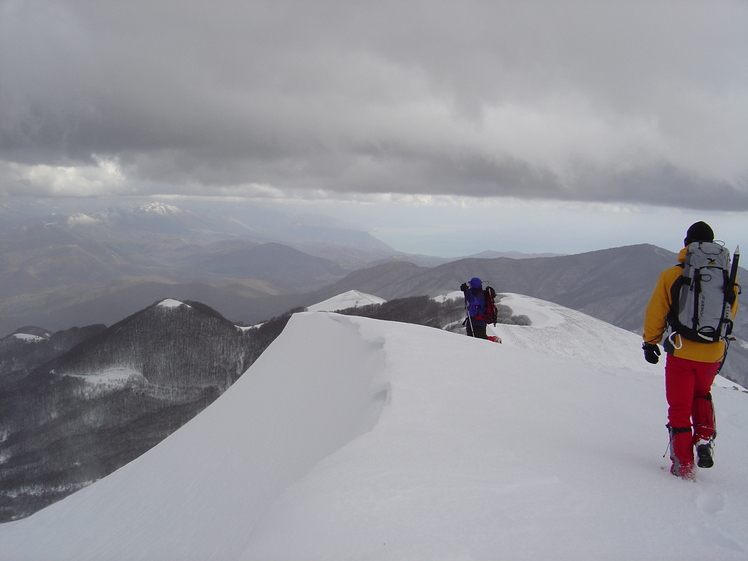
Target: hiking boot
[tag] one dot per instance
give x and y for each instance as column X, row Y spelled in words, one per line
column 704, row 453
column 681, row 452
column 704, row 425
column 684, row 471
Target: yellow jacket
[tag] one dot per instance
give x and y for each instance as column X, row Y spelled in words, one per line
column 655, row 321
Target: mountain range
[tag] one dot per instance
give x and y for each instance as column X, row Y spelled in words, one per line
column 98, row 267
column 354, row 438
column 64, row 270
column 613, row 285
column 65, row 395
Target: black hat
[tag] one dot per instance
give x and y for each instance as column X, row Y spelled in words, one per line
column 699, row 232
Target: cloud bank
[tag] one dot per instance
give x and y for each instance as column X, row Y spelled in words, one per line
column 643, row 102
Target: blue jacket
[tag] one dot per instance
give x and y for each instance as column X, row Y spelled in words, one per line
column 476, row 302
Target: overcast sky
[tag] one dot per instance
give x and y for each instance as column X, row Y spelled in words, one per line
column 556, row 119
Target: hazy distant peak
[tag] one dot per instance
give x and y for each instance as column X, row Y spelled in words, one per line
column 80, row 219
column 511, row 255
column 147, row 210
column 102, row 214
column 161, row 209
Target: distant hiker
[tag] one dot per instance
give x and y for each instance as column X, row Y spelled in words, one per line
column 694, row 352
column 480, row 307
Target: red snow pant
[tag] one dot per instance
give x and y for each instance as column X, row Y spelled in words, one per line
column 687, row 388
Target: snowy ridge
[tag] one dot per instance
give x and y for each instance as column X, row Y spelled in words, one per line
column 564, row 332
column 350, row 299
column 352, row 438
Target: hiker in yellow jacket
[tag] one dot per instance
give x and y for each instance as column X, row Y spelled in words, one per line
column 690, row 369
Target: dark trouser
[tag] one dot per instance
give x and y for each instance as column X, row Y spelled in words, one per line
column 478, row 331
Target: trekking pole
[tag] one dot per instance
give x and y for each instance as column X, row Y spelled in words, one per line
column 730, row 295
column 469, row 319
column 731, row 284
column 734, row 269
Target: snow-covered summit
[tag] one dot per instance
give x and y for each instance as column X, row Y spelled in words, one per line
column 350, row 299
column 30, row 333
column 113, row 215
column 158, row 208
column 171, row 303
column 352, row 438
column 28, row 337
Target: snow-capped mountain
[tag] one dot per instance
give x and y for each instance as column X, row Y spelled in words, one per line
column 80, row 219
column 161, row 209
column 350, row 299
column 353, row 438
column 118, row 216
column 155, row 218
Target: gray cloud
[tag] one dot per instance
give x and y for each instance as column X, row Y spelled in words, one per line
column 580, row 100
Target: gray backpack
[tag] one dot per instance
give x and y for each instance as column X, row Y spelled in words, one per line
column 702, row 296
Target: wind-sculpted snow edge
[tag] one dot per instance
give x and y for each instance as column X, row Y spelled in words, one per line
column 316, row 388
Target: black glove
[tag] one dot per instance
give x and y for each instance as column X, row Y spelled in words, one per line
column 651, row 353
column 464, row 286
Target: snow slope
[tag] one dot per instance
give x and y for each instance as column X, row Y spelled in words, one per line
column 352, row 438
column 560, row 331
column 350, row 299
